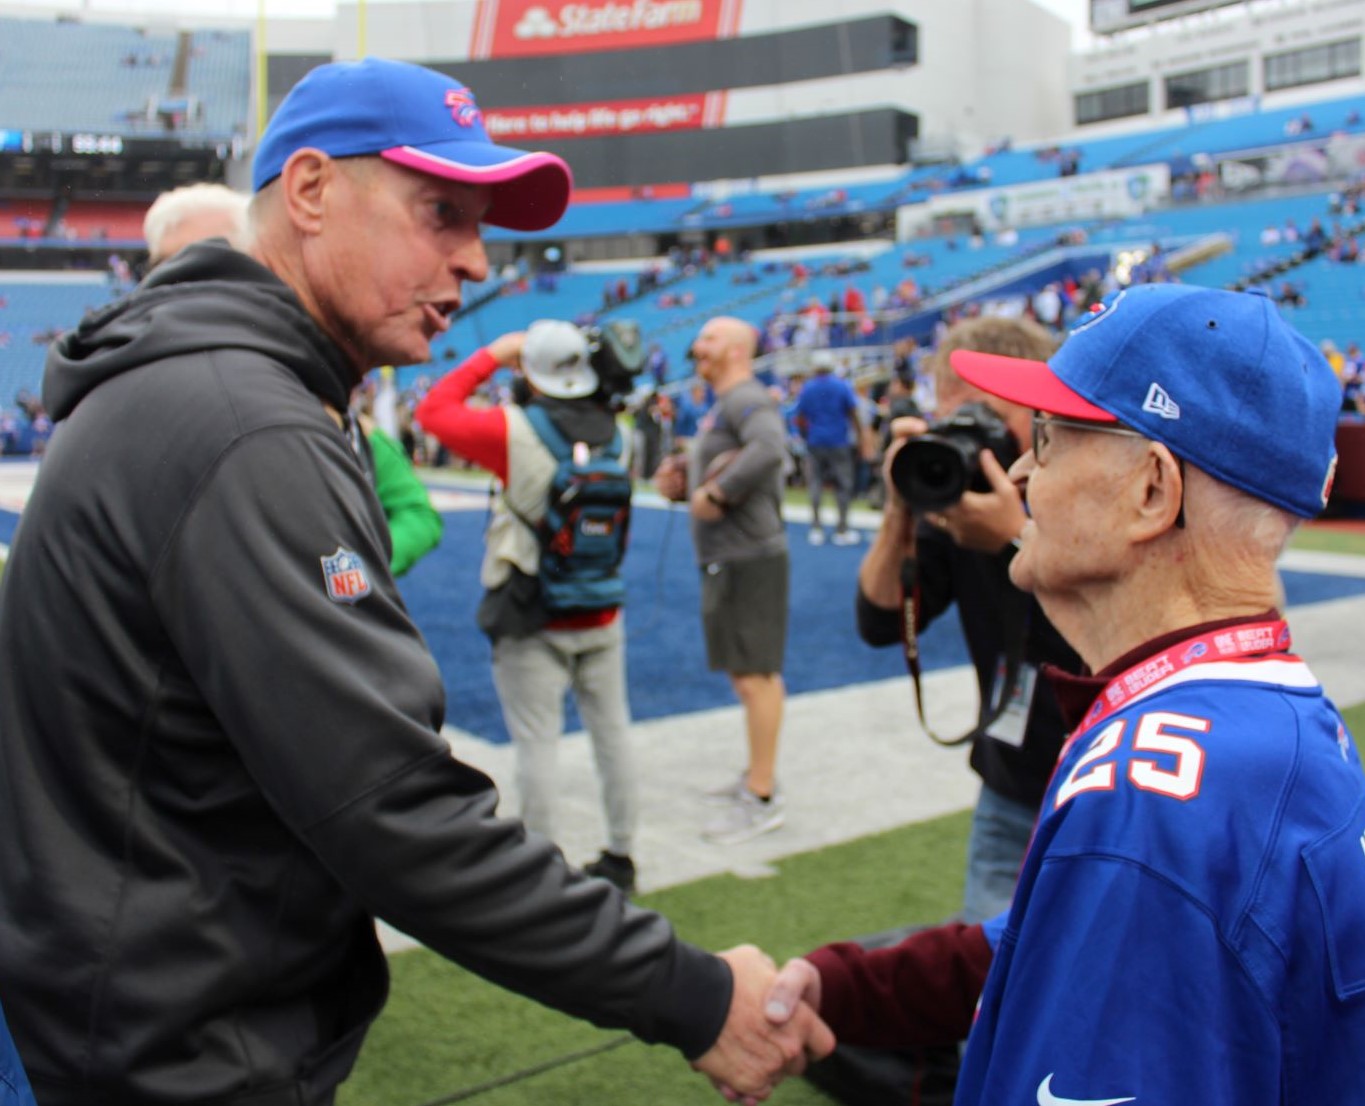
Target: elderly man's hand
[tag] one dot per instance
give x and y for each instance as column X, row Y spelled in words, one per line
column 797, row 982
column 753, row 1054
column 985, row 521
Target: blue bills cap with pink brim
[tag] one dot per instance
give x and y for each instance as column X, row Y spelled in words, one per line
column 417, row 118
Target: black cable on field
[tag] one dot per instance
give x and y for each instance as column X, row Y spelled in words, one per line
column 528, row 1073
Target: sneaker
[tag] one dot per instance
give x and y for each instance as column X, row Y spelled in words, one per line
column 747, row 817
column 728, row 793
column 615, row 869
column 847, row 537
column 815, row 536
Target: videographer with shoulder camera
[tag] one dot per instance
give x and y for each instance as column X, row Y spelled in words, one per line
column 551, row 568
column 947, row 536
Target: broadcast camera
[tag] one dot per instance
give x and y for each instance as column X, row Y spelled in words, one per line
column 617, row 354
column 932, row 471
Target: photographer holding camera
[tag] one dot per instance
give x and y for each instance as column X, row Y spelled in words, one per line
column 946, row 537
column 551, row 568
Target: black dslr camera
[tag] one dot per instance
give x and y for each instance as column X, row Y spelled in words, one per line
column 932, row 471
column 617, row 354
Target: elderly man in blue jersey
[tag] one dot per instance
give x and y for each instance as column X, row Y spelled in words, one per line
column 1189, row 925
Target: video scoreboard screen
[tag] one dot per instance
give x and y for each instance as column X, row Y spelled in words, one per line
column 1108, row 16
column 108, row 164
column 96, row 144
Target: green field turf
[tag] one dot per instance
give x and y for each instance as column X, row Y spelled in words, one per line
column 449, row 1037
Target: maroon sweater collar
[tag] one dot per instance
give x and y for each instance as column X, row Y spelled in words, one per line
column 1075, row 692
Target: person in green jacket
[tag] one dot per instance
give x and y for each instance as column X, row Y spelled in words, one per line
column 414, row 525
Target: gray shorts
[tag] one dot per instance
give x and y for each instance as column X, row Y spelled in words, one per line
column 744, row 614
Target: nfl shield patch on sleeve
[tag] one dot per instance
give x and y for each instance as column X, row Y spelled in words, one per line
column 347, row 580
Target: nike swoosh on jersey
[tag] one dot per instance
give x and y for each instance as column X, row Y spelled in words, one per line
column 1047, row 1098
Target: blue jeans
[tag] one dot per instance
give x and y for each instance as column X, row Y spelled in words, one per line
column 1000, row 834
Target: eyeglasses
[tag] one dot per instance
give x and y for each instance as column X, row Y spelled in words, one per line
column 1042, row 441
column 1042, row 432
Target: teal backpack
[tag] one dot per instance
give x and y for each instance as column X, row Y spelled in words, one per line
column 586, row 524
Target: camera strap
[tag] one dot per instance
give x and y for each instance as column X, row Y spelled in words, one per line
column 1014, row 611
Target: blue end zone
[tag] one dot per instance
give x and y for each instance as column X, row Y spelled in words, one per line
column 666, row 660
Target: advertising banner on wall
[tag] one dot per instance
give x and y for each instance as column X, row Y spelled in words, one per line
column 534, row 28
column 1113, row 193
column 690, row 111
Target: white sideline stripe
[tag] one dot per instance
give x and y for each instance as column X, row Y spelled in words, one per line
column 1326, row 564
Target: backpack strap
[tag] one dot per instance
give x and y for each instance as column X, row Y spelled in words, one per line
column 549, row 434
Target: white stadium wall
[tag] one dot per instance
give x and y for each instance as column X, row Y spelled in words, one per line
column 973, row 82
column 1226, row 35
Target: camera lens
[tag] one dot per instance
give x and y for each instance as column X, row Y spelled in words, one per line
column 930, row 473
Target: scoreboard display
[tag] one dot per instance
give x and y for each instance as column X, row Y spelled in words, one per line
column 96, row 144
column 1108, row 16
column 107, row 164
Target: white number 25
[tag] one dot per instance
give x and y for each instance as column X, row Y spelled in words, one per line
column 1178, row 777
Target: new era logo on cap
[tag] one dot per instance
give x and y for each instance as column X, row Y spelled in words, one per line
column 1159, row 403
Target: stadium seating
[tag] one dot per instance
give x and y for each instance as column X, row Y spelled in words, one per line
column 33, row 310
column 99, row 78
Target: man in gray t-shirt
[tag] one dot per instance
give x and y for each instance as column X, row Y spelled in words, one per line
column 735, row 499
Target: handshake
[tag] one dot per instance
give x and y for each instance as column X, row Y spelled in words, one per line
column 773, row 1029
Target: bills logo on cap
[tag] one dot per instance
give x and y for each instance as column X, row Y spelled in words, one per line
column 1194, row 652
column 1098, row 313
column 347, row 580
column 463, row 110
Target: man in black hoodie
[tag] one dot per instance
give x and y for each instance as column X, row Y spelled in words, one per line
column 219, row 728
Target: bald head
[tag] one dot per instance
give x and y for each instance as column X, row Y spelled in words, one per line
column 736, row 334
column 724, row 351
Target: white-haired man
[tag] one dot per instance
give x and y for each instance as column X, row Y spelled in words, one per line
column 193, row 213
column 1189, row 924
column 222, row 748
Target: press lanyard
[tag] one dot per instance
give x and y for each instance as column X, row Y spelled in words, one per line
column 1232, row 643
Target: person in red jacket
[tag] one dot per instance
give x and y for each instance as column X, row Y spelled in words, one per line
column 537, row 656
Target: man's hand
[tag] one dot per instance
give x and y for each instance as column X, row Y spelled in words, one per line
column 985, row 521
column 670, row 478
column 753, row 1053
column 506, row 351
column 703, row 504
column 797, row 982
column 902, row 430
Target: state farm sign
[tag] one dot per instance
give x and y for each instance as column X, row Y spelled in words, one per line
column 521, row 28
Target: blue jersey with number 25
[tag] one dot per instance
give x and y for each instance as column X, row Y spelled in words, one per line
column 1189, row 925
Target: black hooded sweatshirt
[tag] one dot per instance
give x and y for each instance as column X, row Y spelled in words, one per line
column 220, row 755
